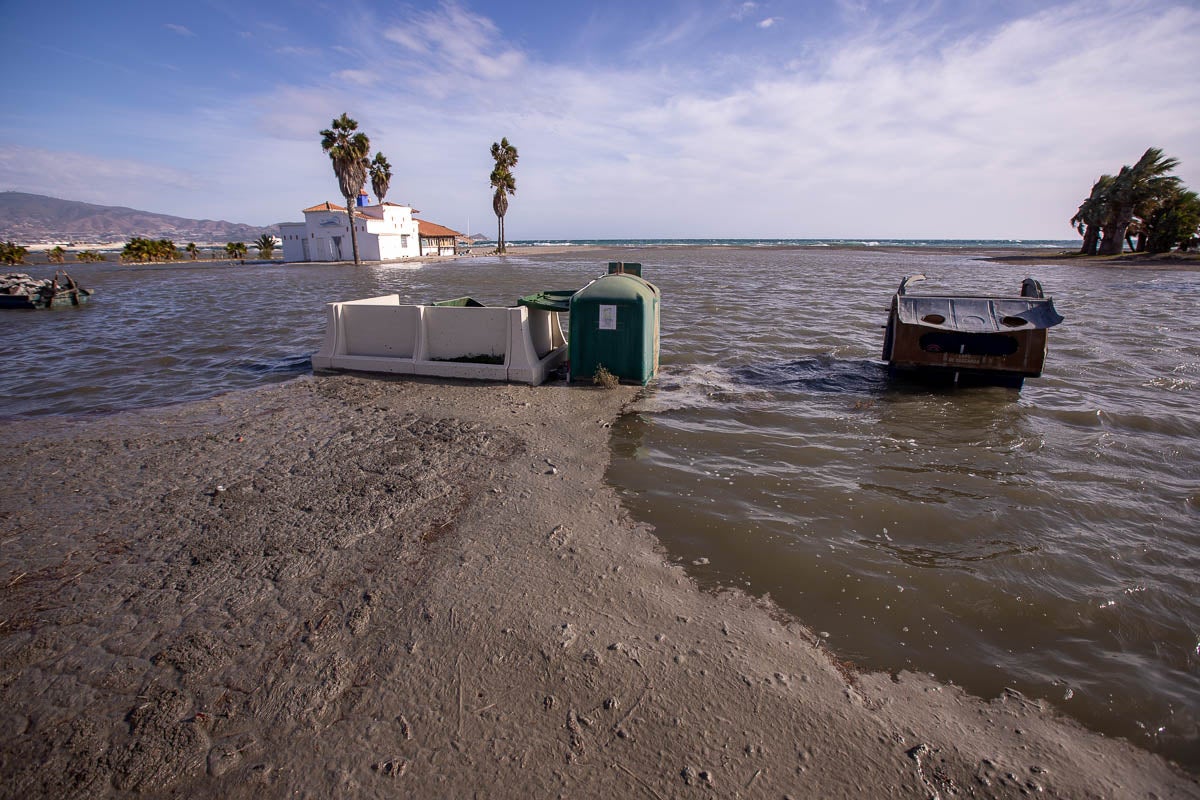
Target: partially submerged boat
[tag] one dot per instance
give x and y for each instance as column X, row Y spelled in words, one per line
column 18, row 290
column 962, row 338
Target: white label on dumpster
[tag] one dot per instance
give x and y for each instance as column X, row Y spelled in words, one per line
column 608, row 318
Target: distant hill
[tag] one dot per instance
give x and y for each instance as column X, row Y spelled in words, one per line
column 34, row 219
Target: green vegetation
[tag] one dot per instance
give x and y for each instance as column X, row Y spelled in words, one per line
column 236, row 250
column 13, row 253
column 1174, row 222
column 143, row 250
column 1143, row 201
column 192, row 250
column 265, row 245
column 381, row 176
column 502, row 180
column 88, row 256
column 56, row 254
column 348, row 151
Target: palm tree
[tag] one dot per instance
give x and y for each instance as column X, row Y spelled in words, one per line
column 1175, row 221
column 502, row 180
column 192, row 250
column 137, row 249
column 348, row 152
column 236, row 249
column 265, row 245
column 13, row 254
column 381, row 176
column 1090, row 214
column 1129, row 188
column 56, row 254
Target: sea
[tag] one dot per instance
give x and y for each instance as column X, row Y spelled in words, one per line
column 1044, row 540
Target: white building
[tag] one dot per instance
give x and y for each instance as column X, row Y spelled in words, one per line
column 386, row 231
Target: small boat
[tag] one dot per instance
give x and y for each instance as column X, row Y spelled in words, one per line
column 957, row 338
column 18, row 290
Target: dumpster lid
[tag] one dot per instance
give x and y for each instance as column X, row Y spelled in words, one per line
column 978, row 314
column 549, row 300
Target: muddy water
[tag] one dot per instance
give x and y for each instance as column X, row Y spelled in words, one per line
column 1044, row 540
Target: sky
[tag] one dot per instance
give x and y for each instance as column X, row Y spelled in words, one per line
column 632, row 118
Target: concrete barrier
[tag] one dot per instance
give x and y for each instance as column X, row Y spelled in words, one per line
column 379, row 334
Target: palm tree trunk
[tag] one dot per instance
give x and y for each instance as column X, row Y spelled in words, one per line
column 1091, row 240
column 1113, row 240
column 353, row 235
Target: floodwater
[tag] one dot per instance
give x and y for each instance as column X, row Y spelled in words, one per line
column 1046, row 540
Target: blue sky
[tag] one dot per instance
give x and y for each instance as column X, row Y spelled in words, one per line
column 855, row 118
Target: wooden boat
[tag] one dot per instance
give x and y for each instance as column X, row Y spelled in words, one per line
column 18, row 290
column 996, row 340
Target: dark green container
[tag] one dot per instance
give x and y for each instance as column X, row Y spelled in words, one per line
column 614, row 324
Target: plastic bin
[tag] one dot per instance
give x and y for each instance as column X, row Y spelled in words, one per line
column 614, row 324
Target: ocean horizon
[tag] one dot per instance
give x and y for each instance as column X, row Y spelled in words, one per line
column 1000, row 244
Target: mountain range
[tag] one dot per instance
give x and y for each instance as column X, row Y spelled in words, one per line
column 27, row 219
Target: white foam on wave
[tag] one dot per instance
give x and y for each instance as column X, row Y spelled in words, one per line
column 693, row 388
column 388, row 267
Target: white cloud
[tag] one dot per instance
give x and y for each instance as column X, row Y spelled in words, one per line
column 884, row 133
column 460, row 43
column 298, row 50
column 768, row 22
column 744, row 10
column 180, row 29
column 406, row 38
column 357, row 76
column 78, row 176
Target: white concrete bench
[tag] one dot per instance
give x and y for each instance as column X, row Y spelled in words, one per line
column 379, row 334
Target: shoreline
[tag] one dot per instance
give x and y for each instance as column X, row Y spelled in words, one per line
column 1171, row 262
column 370, row 586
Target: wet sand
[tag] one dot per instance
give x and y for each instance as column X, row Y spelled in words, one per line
column 362, row 587
column 1166, row 262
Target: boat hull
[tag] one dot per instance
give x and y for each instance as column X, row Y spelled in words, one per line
column 72, row 297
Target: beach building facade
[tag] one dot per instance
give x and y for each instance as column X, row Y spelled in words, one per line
column 437, row 240
column 386, row 232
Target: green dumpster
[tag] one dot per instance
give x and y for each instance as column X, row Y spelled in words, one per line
column 614, row 324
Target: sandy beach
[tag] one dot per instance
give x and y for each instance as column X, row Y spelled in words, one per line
column 349, row 586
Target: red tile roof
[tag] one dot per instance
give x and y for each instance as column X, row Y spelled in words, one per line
column 328, row 206
column 433, row 229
